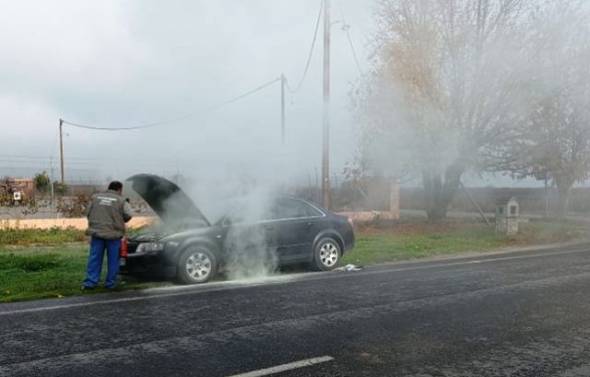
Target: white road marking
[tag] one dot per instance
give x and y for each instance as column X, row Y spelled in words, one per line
column 216, row 287
column 223, row 286
column 285, row 367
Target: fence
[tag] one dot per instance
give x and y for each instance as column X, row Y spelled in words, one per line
column 532, row 200
column 77, row 223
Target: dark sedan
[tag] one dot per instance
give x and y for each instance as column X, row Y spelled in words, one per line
column 192, row 249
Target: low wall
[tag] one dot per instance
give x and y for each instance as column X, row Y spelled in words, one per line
column 370, row 216
column 139, row 221
column 77, row 223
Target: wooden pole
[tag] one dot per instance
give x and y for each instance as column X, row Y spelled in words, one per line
column 326, row 197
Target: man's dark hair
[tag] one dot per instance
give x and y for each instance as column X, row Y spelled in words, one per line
column 115, row 186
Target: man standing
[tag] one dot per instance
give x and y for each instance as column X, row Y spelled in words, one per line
column 107, row 214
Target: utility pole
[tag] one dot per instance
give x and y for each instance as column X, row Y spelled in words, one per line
column 326, row 197
column 61, row 150
column 283, row 84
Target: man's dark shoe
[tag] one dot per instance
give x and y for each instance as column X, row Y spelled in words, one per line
column 117, row 287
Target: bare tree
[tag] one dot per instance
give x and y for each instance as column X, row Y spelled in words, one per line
column 446, row 87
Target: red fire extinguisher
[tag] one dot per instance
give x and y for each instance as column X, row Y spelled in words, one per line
column 124, row 248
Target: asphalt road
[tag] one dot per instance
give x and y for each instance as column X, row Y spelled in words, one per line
column 518, row 314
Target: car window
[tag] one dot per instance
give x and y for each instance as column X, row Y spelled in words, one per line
column 309, row 210
column 245, row 212
column 291, row 209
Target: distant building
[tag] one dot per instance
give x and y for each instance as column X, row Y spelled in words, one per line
column 19, row 187
column 25, row 185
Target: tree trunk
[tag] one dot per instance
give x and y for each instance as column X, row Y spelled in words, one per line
column 440, row 190
column 564, row 187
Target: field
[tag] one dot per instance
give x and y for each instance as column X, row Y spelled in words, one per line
column 420, row 240
column 38, row 264
column 34, row 272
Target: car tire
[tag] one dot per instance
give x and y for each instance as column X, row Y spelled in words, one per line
column 326, row 254
column 196, row 265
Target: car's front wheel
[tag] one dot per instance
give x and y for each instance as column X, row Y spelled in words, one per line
column 197, row 264
column 327, row 254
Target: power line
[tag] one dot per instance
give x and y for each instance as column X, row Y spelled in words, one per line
column 235, row 99
column 38, row 167
column 3, row 156
column 143, row 126
column 53, row 149
column 173, row 120
column 310, row 55
column 346, row 29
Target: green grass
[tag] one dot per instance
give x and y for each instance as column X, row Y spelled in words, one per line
column 37, row 264
column 53, row 236
column 28, row 273
column 393, row 245
column 380, row 248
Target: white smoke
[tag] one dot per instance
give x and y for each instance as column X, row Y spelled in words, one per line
column 251, row 252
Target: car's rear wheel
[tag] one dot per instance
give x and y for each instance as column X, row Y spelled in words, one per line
column 327, row 254
column 197, row 264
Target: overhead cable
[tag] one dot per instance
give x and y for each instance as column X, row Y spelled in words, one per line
column 346, row 28
column 311, row 49
column 172, row 120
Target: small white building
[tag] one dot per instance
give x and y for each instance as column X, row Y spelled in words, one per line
column 507, row 216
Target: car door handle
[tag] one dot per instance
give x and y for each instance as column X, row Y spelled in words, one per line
column 269, row 227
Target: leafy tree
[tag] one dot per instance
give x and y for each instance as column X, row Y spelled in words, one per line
column 553, row 141
column 42, row 182
column 60, row 188
column 444, row 89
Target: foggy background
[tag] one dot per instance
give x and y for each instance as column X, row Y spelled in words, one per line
column 119, row 64
column 113, row 64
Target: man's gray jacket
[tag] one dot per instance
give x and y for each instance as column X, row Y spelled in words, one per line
column 107, row 214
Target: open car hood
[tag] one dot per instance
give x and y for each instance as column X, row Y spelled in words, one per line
column 168, row 200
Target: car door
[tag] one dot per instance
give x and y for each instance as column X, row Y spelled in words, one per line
column 294, row 226
column 248, row 235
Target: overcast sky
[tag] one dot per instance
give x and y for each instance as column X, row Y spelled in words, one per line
column 125, row 63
